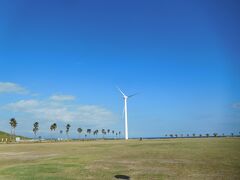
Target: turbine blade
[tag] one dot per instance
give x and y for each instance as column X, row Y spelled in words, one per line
column 133, row 95
column 121, row 91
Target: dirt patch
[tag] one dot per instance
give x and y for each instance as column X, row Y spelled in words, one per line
column 12, row 153
column 24, row 155
column 135, row 167
column 174, row 161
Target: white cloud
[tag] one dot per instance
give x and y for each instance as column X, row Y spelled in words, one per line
column 23, row 105
column 62, row 98
column 59, row 111
column 8, row 87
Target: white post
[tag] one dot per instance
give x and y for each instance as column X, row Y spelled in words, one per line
column 126, row 118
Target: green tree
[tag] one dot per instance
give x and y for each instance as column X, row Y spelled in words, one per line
column 67, row 130
column 108, row 131
column 89, row 132
column 35, row 129
column 103, row 132
column 53, row 127
column 61, row 131
column 95, row 132
column 113, row 132
column 13, row 123
column 79, row 130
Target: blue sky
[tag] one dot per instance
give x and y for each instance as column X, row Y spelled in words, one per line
column 61, row 60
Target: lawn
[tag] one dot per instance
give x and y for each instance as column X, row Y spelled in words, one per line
column 196, row 158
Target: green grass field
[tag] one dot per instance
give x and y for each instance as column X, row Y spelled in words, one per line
column 197, row 158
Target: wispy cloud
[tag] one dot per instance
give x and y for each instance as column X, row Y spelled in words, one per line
column 58, row 108
column 59, row 111
column 9, row 87
column 62, row 98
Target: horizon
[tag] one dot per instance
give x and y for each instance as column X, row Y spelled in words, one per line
column 61, row 62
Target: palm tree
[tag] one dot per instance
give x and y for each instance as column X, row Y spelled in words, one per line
column 207, row 135
column 61, row 131
column 176, row 135
column 113, row 132
column 215, row 134
column 67, row 129
column 13, row 124
column 200, row 135
column 89, row 132
column 232, row 134
column 103, row 132
column 79, row 130
column 193, row 134
column 96, row 132
column 53, row 127
column 171, row 135
column 119, row 133
column 35, row 129
column 108, row 131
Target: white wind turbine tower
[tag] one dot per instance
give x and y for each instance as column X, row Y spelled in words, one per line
column 125, row 111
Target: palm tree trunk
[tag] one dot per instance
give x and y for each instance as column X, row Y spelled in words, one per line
column 14, row 137
column 11, row 133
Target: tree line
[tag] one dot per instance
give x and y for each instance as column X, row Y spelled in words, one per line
column 105, row 132
column 200, row 135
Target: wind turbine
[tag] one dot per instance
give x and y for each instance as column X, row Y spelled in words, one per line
column 125, row 97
